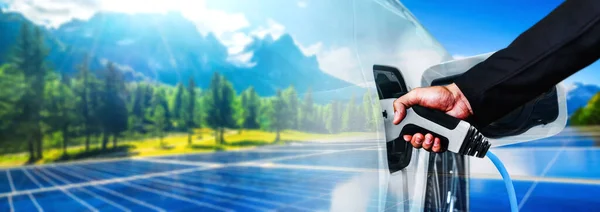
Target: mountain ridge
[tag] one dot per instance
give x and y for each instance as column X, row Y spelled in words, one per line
column 168, row 48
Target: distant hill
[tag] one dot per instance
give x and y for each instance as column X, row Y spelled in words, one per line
column 579, row 95
column 168, row 48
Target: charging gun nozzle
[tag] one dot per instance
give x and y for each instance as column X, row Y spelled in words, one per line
column 475, row 144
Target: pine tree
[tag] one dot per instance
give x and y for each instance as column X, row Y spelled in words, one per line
column 226, row 107
column 84, row 103
column 29, row 56
column 13, row 87
column 177, row 102
column 212, row 104
column 264, row 114
column 114, row 109
column 138, row 109
column 190, row 108
column 95, row 106
column 349, row 116
column 291, row 99
column 279, row 116
column 60, row 108
column 335, row 119
column 220, row 106
column 368, row 110
column 250, row 106
column 160, row 115
column 307, row 118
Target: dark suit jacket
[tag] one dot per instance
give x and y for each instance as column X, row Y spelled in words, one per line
column 562, row 43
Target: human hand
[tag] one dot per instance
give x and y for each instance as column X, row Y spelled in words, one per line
column 447, row 98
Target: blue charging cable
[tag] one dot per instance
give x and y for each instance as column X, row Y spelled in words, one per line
column 514, row 207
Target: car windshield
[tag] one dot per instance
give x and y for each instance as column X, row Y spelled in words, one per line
column 204, row 105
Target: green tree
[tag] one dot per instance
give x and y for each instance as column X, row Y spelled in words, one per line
column 84, row 107
column 250, row 107
column 95, row 107
column 178, row 102
column 360, row 119
column 349, row 116
column 114, row 109
column 212, row 104
column 307, row 117
column 292, row 107
column 322, row 120
column 161, row 116
column 264, row 114
column 12, row 87
column 368, row 110
column 220, row 109
column 279, row 118
column 61, row 109
column 29, row 55
column 226, row 107
column 138, row 110
column 191, row 107
column 335, row 118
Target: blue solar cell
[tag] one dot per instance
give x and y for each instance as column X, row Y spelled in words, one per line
column 4, row 182
column 4, row 204
column 21, row 180
column 58, row 201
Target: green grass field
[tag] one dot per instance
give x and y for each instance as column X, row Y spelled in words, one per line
column 203, row 141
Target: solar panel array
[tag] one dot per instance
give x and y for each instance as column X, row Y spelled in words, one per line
column 294, row 177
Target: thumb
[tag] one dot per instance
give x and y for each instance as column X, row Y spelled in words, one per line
column 402, row 104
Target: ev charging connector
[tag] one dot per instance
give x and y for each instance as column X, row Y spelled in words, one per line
column 456, row 135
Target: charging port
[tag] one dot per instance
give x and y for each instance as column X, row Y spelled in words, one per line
column 390, row 85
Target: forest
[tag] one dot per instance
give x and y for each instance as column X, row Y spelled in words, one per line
column 44, row 108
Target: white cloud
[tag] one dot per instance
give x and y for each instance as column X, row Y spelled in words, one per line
column 216, row 21
column 235, row 42
column 302, row 4
column 311, row 49
column 53, row 13
column 242, row 59
column 273, row 28
column 340, row 62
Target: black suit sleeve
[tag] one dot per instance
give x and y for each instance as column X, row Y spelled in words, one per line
column 562, row 43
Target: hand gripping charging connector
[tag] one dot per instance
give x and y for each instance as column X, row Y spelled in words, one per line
column 455, row 135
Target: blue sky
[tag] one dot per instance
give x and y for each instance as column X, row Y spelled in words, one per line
column 468, row 27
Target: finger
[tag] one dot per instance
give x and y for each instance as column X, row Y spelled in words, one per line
column 428, row 142
column 399, row 111
column 417, row 140
column 404, row 102
column 407, row 138
column 437, row 147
